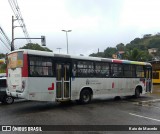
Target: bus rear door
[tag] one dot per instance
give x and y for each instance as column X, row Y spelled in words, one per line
column 63, row 89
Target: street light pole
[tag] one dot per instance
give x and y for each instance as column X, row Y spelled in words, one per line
column 12, row 44
column 59, row 49
column 67, row 37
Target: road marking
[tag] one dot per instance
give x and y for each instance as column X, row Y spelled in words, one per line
column 142, row 102
column 155, row 100
column 150, row 106
column 144, row 117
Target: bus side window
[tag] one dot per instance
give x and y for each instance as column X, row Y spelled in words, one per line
column 41, row 66
column 140, row 71
column 74, row 70
column 116, row 70
column 35, row 73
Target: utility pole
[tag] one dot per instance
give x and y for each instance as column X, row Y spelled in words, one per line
column 12, row 44
column 43, row 40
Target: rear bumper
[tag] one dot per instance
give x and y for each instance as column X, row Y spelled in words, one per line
column 13, row 94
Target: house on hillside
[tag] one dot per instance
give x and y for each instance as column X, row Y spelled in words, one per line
column 153, row 53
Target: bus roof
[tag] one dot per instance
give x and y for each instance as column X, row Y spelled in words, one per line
column 51, row 54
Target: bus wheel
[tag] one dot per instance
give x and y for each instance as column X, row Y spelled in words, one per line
column 8, row 100
column 137, row 92
column 85, row 96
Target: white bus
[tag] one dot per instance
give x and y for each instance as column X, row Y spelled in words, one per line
column 45, row 76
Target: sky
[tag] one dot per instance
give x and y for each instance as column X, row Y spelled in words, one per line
column 95, row 24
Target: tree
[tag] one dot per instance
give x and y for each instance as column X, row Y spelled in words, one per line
column 120, row 47
column 109, row 52
column 2, row 55
column 35, row 47
column 136, row 41
column 137, row 55
column 147, row 35
column 99, row 54
column 2, row 65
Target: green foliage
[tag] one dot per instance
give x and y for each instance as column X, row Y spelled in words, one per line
column 35, row 47
column 99, row 54
column 109, row 51
column 120, row 47
column 3, row 68
column 2, row 55
column 137, row 55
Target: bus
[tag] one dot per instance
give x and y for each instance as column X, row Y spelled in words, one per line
column 156, row 71
column 46, row 76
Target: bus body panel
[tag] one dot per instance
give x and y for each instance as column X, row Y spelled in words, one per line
column 106, row 87
column 38, row 89
column 101, row 87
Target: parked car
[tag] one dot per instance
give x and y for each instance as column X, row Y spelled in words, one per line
column 4, row 98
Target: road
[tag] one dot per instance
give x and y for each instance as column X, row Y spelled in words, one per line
column 126, row 111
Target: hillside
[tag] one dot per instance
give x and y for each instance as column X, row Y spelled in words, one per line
column 137, row 49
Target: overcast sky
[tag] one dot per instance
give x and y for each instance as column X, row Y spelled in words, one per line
column 94, row 23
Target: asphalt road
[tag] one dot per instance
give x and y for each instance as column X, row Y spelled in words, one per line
column 126, row 111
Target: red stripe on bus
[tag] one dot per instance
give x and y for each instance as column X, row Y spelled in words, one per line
column 117, row 61
column 52, row 87
column 25, row 66
column 112, row 84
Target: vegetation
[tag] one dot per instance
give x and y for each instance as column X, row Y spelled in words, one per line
column 136, row 50
column 2, row 65
column 35, row 47
column 3, row 68
column 2, row 56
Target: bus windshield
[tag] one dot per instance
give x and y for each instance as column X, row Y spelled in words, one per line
column 15, row 60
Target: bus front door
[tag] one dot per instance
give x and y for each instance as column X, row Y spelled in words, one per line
column 148, row 79
column 63, row 81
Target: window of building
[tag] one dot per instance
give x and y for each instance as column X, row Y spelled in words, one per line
column 155, row 75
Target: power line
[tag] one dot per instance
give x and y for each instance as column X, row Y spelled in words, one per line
column 4, row 44
column 5, row 36
column 16, row 10
column 4, row 39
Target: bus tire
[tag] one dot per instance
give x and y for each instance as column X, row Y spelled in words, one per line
column 137, row 92
column 8, row 100
column 85, row 96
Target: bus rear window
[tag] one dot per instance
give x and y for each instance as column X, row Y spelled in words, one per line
column 15, row 60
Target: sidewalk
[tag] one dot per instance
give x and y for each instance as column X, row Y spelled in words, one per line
column 156, row 89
